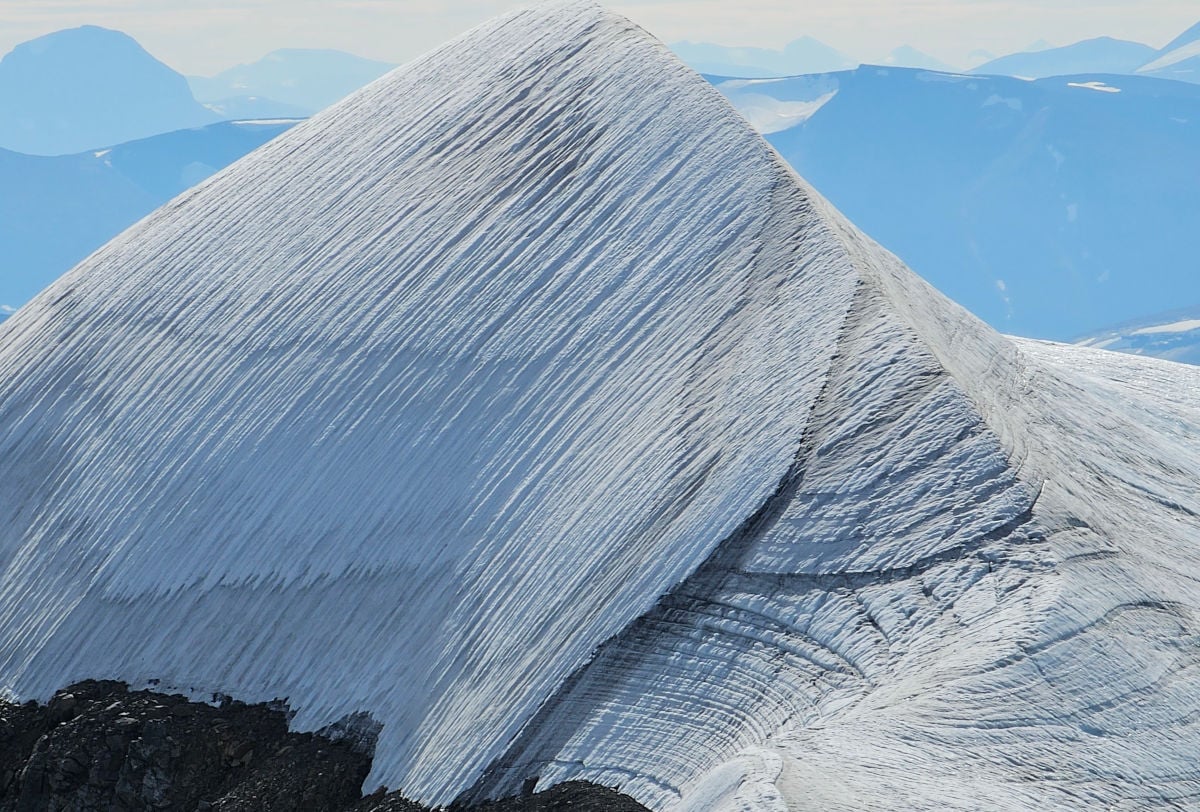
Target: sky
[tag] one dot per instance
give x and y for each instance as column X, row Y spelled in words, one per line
column 206, row 36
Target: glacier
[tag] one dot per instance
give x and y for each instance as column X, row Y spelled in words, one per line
column 528, row 401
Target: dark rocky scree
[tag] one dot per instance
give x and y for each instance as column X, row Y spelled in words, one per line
column 100, row 746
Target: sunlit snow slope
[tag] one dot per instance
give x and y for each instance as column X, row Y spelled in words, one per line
column 529, row 402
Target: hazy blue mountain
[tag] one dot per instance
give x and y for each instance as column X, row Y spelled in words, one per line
column 1048, row 208
column 87, row 87
column 54, row 211
column 803, row 55
column 1174, row 335
column 306, row 79
column 1099, row 55
column 1179, row 59
column 907, row 56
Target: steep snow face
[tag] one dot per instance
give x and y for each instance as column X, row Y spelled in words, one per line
column 416, row 407
column 529, row 402
column 978, row 570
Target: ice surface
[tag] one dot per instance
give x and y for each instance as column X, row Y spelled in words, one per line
column 528, row 401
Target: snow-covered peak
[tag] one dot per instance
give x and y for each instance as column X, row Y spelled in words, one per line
column 516, row 333
column 527, row 401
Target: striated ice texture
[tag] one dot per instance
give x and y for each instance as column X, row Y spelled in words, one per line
column 528, row 401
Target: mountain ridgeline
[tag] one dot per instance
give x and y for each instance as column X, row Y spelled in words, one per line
column 1178, row 60
column 1077, row 166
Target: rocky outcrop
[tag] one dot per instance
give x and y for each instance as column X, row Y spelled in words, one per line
column 99, row 746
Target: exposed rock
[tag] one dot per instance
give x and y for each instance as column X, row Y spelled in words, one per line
column 99, row 746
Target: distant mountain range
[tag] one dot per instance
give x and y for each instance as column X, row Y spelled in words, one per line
column 1100, row 55
column 54, row 211
column 1174, row 335
column 89, row 87
column 1179, row 59
column 908, row 57
column 803, row 55
column 1045, row 207
column 305, row 80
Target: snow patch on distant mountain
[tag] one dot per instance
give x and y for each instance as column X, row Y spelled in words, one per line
column 1192, row 49
column 1185, row 326
column 1095, row 85
column 1174, row 336
column 1179, row 59
column 1181, row 64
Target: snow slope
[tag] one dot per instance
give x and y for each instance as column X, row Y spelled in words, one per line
column 528, row 401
